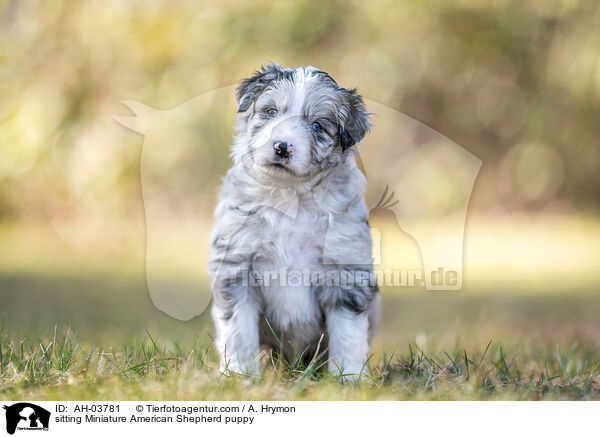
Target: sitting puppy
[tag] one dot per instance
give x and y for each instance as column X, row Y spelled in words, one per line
column 293, row 202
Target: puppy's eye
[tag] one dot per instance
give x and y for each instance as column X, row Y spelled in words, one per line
column 272, row 112
column 316, row 127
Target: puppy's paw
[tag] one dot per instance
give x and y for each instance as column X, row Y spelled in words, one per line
column 349, row 373
column 235, row 367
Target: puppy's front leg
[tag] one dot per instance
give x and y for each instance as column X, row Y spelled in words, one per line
column 348, row 342
column 237, row 334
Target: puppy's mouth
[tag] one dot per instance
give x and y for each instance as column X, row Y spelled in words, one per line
column 281, row 168
column 280, row 164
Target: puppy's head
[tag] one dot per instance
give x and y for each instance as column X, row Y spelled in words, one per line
column 297, row 122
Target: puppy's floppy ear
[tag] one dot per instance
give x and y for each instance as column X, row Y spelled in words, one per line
column 249, row 89
column 357, row 124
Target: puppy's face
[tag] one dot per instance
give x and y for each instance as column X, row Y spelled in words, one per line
column 297, row 122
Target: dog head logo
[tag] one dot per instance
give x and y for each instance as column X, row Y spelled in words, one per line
column 418, row 188
column 26, row 416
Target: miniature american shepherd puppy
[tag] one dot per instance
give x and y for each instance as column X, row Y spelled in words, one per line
column 290, row 258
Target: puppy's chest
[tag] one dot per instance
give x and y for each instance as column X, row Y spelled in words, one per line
column 293, row 243
column 291, row 248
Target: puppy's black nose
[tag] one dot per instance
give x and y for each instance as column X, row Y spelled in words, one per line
column 283, row 149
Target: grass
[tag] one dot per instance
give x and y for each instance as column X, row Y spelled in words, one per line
column 62, row 367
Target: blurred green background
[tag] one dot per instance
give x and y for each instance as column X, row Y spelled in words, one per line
column 515, row 83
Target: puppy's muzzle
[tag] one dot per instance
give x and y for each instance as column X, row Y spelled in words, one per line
column 283, row 149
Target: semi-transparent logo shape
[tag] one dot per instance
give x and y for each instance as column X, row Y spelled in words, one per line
column 418, row 188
